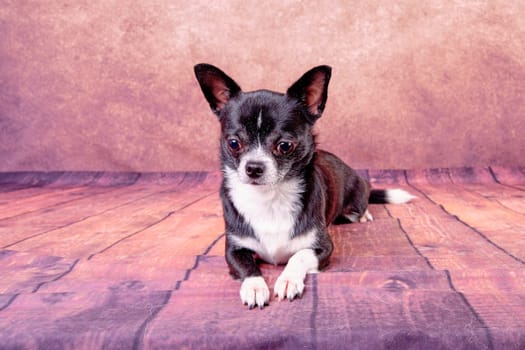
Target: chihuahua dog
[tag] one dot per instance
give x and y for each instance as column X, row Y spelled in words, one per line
column 279, row 192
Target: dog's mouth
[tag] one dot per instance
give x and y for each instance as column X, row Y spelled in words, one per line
column 257, row 182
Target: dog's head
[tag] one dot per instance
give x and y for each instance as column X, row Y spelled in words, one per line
column 266, row 136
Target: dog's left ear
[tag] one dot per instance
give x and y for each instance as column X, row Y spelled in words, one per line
column 312, row 90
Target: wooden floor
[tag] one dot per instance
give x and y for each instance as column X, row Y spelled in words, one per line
column 131, row 261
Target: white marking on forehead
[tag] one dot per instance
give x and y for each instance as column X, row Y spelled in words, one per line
column 259, row 120
column 258, row 154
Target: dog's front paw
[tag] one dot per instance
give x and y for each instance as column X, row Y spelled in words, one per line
column 289, row 286
column 254, row 291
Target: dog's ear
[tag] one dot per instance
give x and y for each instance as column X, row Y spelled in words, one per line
column 312, row 90
column 218, row 88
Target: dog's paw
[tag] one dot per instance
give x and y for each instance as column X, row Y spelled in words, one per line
column 366, row 217
column 354, row 217
column 289, row 286
column 255, row 292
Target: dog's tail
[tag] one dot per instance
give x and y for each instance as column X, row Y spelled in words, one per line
column 393, row 196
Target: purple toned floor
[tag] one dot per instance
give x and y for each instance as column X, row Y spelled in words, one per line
column 132, row 261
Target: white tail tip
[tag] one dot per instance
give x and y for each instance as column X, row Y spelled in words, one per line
column 398, row 196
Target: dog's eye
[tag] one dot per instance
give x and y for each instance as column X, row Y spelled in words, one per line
column 285, row 147
column 234, row 145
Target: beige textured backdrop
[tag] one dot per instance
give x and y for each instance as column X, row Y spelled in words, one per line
column 108, row 85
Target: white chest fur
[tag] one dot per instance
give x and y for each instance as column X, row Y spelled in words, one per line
column 271, row 211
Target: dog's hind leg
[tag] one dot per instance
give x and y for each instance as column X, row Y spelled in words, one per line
column 355, row 208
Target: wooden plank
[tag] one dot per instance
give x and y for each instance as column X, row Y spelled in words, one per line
column 469, row 175
column 29, row 178
column 218, row 247
column 34, row 224
column 446, row 242
column 29, row 187
column 382, row 237
column 188, row 231
column 484, row 182
column 487, row 216
column 391, row 280
column 506, row 197
column 386, row 178
column 156, row 257
column 376, row 263
column 514, row 176
column 347, row 307
column 503, row 315
column 25, row 272
column 22, row 184
column 73, row 186
column 27, row 193
column 146, row 269
column 94, row 233
column 497, row 295
column 427, row 305
column 429, row 176
column 450, row 244
column 465, row 175
column 496, row 280
column 34, row 184
column 147, row 273
column 43, row 198
column 94, row 319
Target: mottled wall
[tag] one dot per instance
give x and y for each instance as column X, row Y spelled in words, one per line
column 108, row 85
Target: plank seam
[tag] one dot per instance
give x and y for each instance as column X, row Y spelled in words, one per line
column 86, row 217
column 110, row 189
column 495, row 177
column 494, row 200
column 313, row 315
column 150, row 225
column 9, row 302
column 56, row 278
column 472, row 310
column 449, row 278
column 57, row 204
column 489, row 198
column 138, row 342
column 408, row 239
column 479, row 233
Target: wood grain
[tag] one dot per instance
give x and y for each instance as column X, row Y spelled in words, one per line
column 126, row 260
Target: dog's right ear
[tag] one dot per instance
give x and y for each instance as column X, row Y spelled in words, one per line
column 218, row 88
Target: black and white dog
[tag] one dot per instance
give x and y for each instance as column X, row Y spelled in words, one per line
column 279, row 193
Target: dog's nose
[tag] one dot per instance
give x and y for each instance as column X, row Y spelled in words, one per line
column 254, row 169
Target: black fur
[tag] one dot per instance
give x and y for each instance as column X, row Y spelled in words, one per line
column 332, row 190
